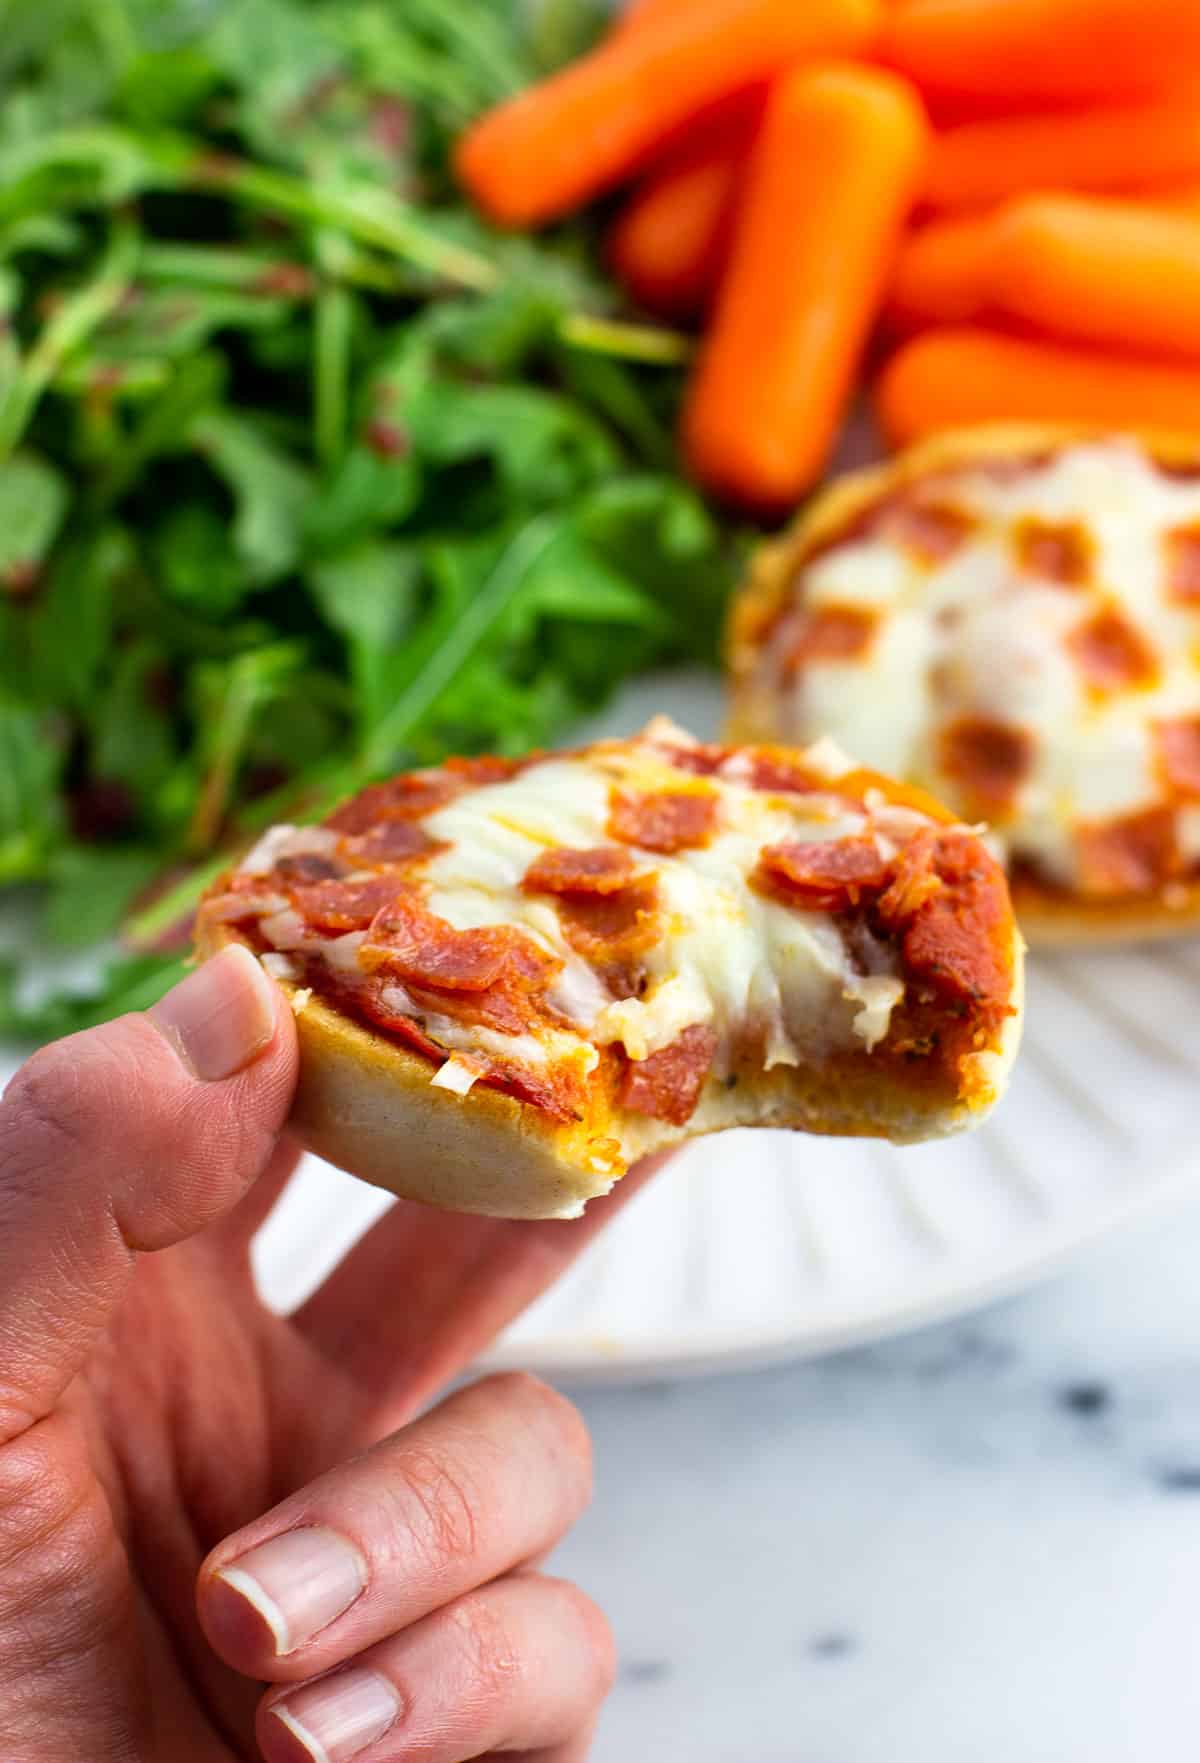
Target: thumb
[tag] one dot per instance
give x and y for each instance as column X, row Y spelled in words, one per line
column 130, row 1137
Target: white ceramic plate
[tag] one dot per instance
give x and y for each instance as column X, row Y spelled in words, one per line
column 755, row 1247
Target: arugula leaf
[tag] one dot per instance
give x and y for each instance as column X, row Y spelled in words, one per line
column 52, row 645
column 31, row 757
column 230, row 696
column 33, row 501
column 368, row 491
column 542, row 447
column 197, row 562
column 132, row 743
column 270, row 490
column 90, row 889
column 369, row 594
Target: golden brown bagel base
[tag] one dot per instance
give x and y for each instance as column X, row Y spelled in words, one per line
column 1049, row 918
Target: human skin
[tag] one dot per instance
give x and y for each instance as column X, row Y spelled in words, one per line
column 199, row 1498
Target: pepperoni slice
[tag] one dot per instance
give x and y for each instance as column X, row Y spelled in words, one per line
column 505, row 1007
column 945, row 948
column 824, row 876
column 307, row 868
column 1183, row 564
column 400, row 798
column 604, row 869
column 392, row 841
column 1112, row 654
column 951, row 940
column 832, row 633
column 1133, row 855
column 552, row 1089
column 989, row 761
column 700, row 760
column 609, row 928
column 915, row 880
column 667, row 1085
column 867, row 523
column 487, row 768
column 932, row 531
column 663, row 820
column 1179, row 747
column 1055, row 552
column 372, row 1002
column 556, row 1090
column 776, row 774
column 416, row 945
column 339, row 906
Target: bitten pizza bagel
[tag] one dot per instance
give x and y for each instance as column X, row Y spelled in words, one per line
column 514, row 977
column 1009, row 618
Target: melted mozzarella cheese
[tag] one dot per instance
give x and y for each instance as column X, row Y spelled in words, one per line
column 978, row 635
column 728, row 957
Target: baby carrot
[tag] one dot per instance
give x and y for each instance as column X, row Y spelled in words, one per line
column 555, row 146
column 829, row 182
column 943, row 271
column 1110, row 148
column 956, row 377
column 670, row 244
column 1036, row 49
column 1101, row 272
column 1083, row 268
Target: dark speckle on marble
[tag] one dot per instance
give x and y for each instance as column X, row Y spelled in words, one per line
column 645, row 1670
column 834, row 1645
column 1085, row 1399
column 1179, row 1478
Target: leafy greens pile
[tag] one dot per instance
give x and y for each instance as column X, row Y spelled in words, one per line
column 304, row 473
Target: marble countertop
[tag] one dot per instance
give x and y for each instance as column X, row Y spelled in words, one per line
column 979, row 1544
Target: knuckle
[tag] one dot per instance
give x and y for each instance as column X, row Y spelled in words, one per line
column 442, row 1507
column 492, row 1661
column 41, row 1117
column 59, row 1551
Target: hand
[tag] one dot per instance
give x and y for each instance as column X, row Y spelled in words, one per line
column 197, row 1496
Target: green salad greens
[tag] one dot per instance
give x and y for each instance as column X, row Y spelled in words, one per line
column 305, row 474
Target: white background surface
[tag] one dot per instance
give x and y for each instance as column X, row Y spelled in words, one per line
column 919, row 1552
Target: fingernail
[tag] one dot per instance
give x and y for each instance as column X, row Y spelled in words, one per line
column 221, row 1017
column 337, row 1718
column 298, row 1582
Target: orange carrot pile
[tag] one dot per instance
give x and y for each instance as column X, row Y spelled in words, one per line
column 839, row 158
column 1037, row 255
column 553, row 148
